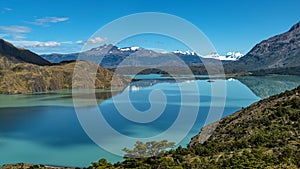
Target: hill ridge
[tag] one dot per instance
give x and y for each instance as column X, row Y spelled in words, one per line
column 18, row 55
column 278, row 52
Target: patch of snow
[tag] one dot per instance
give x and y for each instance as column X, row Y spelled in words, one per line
column 188, row 52
column 133, row 48
column 231, row 79
column 134, row 88
column 230, row 56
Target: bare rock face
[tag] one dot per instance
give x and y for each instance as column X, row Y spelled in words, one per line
column 204, row 134
column 281, row 51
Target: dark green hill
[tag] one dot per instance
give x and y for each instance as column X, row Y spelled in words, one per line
column 266, row 134
column 18, row 55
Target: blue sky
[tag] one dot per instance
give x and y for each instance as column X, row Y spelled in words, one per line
column 64, row 26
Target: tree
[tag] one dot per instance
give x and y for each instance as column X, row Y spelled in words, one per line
column 148, row 149
column 102, row 164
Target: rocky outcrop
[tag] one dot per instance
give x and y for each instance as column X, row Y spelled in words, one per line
column 260, row 119
column 280, row 51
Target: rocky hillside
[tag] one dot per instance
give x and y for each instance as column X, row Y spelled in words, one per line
column 24, row 74
column 266, row 134
column 276, row 53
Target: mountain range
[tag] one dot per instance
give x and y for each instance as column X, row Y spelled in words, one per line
column 263, row 135
column 112, row 56
column 277, row 55
column 23, row 71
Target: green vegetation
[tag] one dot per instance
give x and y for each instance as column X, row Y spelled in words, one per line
column 148, row 149
column 264, row 135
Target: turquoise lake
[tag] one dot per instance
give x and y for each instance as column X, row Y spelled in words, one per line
column 43, row 128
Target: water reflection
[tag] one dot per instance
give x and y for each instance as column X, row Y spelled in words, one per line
column 43, row 127
column 265, row 86
column 261, row 86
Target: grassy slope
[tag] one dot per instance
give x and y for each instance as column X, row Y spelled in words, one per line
column 266, row 134
column 27, row 78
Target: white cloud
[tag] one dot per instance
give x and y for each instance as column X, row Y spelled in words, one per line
column 79, row 42
column 15, row 30
column 35, row 44
column 7, row 9
column 46, row 20
column 95, row 40
column 4, row 10
column 48, row 44
column 2, row 35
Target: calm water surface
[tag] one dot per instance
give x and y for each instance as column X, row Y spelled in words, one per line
column 44, row 129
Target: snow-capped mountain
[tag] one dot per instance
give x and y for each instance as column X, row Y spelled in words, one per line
column 133, row 48
column 188, row 52
column 112, row 56
column 234, row 55
column 230, row 56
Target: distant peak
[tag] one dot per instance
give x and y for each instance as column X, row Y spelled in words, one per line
column 296, row 26
column 230, row 56
column 105, row 46
column 4, row 42
column 133, row 48
column 9, row 51
column 188, row 52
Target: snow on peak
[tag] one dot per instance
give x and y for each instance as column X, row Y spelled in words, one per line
column 234, row 55
column 230, row 56
column 188, row 52
column 133, row 48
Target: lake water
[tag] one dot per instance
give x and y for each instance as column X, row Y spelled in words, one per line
column 44, row 129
